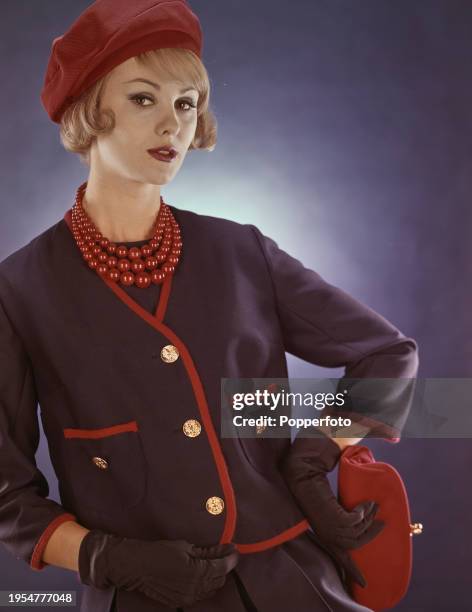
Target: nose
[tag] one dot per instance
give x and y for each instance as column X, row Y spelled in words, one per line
column 168, row 121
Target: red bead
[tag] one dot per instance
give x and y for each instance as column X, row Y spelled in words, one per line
column 151, row 263
column 123, row 265
column 173, row 260
column 114, row 275
column 157, row 276
column 121, row 251
column 102, row 269
column 137, row 265
column 127, row 278
column 104, row 242
column 134, row 253
column 102, row 257
column 111, row 248
column 112, row 262
column 160, row 256
column 93, row 263
column 168, row 269
column 142, row 280
column 96, row 250
column 146, row 250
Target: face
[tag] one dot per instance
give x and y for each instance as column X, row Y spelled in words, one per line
column 146, row 117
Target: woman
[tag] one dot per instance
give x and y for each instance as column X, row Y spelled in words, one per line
column 122, row 319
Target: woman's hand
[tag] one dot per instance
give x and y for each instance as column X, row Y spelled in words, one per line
column 172, row 572
column 305, row 470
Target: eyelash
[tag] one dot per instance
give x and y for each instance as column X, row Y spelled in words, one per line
column 138, row 96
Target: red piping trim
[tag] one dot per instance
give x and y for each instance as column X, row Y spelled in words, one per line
column 225, row 480
column 36, row 562
column 280, row 538
column 100, row 433
column 199, row 393
column 163, row 298
column 229, row 497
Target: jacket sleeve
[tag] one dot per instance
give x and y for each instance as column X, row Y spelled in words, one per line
column 325, row 326
column 27, row 517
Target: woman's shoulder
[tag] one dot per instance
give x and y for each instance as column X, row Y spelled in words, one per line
column 221, row 227
column 23, row 260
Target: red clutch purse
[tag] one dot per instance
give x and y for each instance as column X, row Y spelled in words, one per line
column 385, row 561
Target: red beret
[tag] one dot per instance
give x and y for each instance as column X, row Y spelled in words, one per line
column 106, row 34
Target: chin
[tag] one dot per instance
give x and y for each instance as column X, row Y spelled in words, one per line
column 154, row 180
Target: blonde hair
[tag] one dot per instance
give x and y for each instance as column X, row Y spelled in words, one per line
column 83, row 120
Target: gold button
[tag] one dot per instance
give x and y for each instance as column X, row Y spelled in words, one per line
column 215, row 505
column 192, row 428
column 260, row 429
column 100, row 462
column 169, row 353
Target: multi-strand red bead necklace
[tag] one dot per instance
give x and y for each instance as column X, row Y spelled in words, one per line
column 150, row 263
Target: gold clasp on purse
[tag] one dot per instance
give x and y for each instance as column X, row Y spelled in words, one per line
column 416, row 528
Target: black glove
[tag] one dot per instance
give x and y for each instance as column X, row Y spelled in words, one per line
column 172, row 572
column 305, row 471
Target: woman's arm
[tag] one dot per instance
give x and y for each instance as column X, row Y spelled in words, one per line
column 323, row 325
column 63, row 546
column 28, row 518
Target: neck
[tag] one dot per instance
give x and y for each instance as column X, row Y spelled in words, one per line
column 122, row 210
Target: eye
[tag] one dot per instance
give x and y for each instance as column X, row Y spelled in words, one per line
column 141, row 97
column 189, row 103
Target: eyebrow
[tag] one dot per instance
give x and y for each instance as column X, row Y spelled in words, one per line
column 156, row 85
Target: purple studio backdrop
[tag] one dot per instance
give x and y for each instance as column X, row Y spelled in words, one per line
column 345, row 132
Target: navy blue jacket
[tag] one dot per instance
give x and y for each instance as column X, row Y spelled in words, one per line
column 120, row 416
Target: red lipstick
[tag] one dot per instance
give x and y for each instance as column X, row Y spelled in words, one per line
column 165, row 154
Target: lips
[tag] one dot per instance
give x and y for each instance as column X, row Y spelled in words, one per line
column 165, row 154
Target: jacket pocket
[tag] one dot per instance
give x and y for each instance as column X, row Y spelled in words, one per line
column 105, row 468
